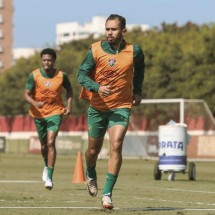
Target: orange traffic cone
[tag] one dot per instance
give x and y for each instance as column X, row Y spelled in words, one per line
column 78, row 176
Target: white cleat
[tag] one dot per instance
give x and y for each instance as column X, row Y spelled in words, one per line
column 92, row 186
column 106, row 202
column 48, row 184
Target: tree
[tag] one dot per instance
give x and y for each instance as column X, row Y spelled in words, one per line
column 180, row 63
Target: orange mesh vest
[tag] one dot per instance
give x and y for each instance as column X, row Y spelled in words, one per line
column 49, row 91
column 115, row 70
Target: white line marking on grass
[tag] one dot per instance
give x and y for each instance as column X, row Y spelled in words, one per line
column 50, row 207
column 194, row 191
column 200, row 209
column 176, row 201
column 183, row 190
column 18, row 181
column 124, row 209
column 167, row 209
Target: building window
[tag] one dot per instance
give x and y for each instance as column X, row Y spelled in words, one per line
column 1, row 64
column 1, row 4
column 1, row 33
column 1, row 18
column 1, row 48
column 66, row 34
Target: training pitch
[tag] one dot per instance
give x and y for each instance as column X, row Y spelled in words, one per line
column 136, row 191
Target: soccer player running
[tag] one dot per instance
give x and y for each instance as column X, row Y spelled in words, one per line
column 112, row 75
column 43, row 91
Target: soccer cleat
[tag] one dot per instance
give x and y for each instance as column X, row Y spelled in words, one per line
column 92, row 186
column 45, row 173
column 106, row 202
column 48, row 184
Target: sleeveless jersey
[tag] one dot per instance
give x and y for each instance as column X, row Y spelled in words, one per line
column 47, row 90
column 116, row 71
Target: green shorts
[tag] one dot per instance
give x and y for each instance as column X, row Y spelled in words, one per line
column 99, row 121
column 43, row 125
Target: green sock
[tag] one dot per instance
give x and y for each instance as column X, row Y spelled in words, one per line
column 91, row 172
column 46, row 162
column 50, row 172
column 109, row 184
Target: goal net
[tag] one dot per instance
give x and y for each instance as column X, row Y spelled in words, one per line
column 142, row 137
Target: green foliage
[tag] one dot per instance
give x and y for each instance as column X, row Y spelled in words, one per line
column 12, row 84
column 180, row 63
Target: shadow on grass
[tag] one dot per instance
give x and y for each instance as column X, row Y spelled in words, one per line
column 152, row 209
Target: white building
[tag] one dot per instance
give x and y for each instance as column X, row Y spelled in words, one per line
column 24, row 52
column 66, row 32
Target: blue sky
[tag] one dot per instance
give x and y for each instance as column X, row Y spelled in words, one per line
column 35, row 20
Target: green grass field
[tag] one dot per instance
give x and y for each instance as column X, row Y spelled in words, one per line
column 136, row 191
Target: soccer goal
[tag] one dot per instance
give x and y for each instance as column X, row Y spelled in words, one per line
column 142, row 136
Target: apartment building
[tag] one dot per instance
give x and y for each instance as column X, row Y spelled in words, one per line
column 6, row 34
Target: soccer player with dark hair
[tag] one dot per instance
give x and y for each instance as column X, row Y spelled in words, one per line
column 43, row 91
column 112, row 75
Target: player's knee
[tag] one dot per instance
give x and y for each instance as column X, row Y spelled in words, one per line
column 116, row 146
column 51, row 144
column 93, row 151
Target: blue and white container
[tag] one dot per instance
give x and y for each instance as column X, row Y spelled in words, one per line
column 173, row 140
